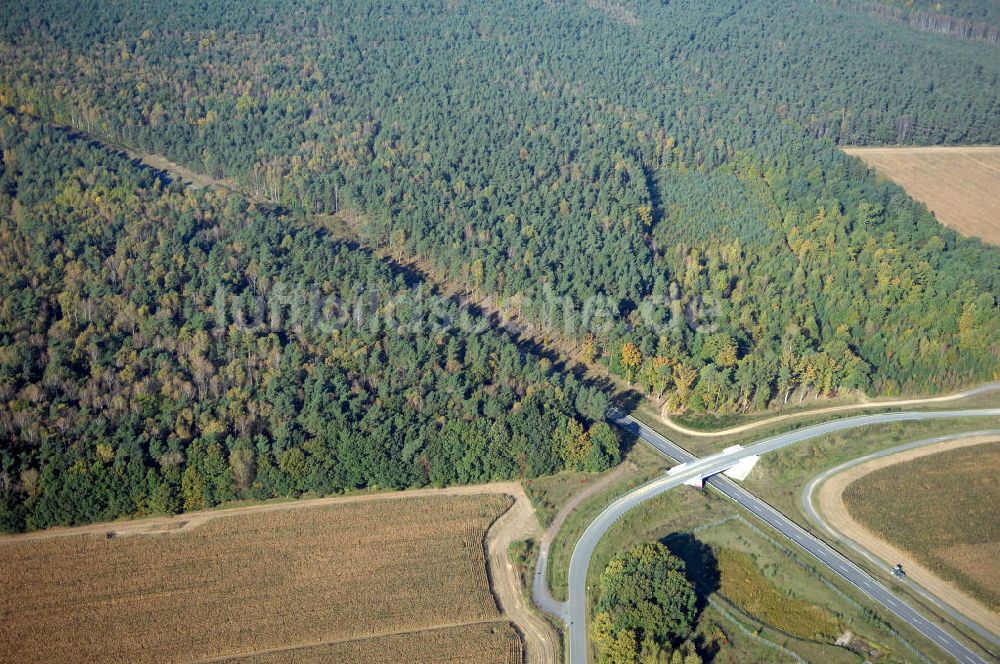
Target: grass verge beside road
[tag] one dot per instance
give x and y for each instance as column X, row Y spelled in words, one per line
column 641, row 465
column 719, row 431
column 713, row 422
column 761, row 613
column 780, row 477
column 706, row 445
column 550, row 494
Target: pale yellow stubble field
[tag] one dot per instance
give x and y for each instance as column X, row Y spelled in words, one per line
column 960, row 185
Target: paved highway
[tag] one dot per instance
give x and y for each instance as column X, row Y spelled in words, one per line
column 810, row 511
column 846, row 569
column 580, row 561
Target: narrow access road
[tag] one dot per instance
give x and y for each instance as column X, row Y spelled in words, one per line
column 541, row 643
column 541, row 594
column 579, row 648
column 888, row 403
column 812, row 513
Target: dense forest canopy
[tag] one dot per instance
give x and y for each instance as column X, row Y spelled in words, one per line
column 977, row 20
column 987, row 11
column 140, row 370
column 656, row 181
column 646, row 608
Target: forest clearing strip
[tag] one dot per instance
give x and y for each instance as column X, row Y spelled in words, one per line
column 156, row 162
column 833, row 511
column 352, row 222
column 540, row 341
column 542, row 643
column 499, row 317
column 840, row 408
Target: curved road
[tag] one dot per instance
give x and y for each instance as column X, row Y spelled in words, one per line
column 981, row 389
column 580, row 562
column 540, row 593
column 813, row 515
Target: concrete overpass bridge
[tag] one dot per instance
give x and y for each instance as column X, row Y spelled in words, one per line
column 711, row 470
column 733, row 462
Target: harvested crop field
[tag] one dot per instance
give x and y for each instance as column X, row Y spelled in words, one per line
column 259, row 582
column 941, row 508
column 960, row 185
column 485, row 643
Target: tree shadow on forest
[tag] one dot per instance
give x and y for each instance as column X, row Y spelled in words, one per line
column 702, row 568
column 700, row 563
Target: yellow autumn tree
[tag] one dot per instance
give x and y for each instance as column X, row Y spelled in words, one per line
column 612, row 648
column 574, row 445
column 631, row 359
column 684, row 377
column 588, row 351
column 106, row 453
